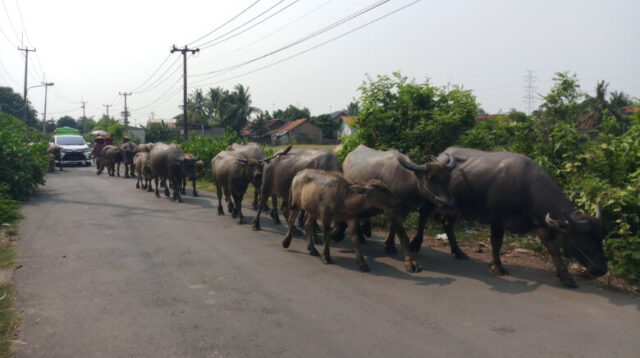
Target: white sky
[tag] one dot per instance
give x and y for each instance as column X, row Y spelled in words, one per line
column 95, row 49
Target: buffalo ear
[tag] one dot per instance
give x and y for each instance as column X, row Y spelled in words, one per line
column 556, row 224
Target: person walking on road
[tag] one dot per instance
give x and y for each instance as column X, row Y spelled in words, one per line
column 97, row 152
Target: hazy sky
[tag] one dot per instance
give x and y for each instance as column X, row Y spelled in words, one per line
column 95, row 49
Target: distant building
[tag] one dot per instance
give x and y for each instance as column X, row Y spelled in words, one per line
column 484, row 117
column 629, row 111
column 300, row 131
column 171, row 123
column 206, row 131
column 138, row 132
column 346, row 125
column 270, row 125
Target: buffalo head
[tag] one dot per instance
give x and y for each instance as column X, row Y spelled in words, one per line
column 433, row 180
column 252, row 168
column 583, row 236
column 376, row 194
column 189, row 167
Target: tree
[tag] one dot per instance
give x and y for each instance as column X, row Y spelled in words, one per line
column 418, row 119
column 352, row 109
column 564, row 100
column 66, row 121
column 291, row 113
column 327, row 124
column 159, row 132
column 13, row 104
column 85, row 124
column 217, row 103
column 240, row 108
column 198, row 109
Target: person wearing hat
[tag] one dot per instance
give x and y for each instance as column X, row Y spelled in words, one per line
column 108, row 140
column 97, row 152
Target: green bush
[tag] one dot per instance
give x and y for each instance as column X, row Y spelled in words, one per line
column 206, row 148
column 24, row 158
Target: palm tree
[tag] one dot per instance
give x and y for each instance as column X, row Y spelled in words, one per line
column 198, row 109
column 240, row 109
column 217, row 102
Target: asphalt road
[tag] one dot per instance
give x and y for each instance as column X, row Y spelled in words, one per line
column 111, row 271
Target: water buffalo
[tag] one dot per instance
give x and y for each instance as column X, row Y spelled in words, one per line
column 54, row 152
column 415, row 185
column 330, row 197
column 198, row 170
column 279, row 171
column 168, row 161
column 143, row 170
column 511, row 191
column 128, row 150
column 111, row 158
column 253, row 151
column 145, row 147
column 232, row 173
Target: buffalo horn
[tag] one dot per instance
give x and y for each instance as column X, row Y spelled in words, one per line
column 578, row 224
column 452, row 161
column 411, row 166
column 598, row 212
column 277, row 154
column 555, row 224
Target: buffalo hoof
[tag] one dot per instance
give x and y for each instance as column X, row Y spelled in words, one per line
column 180, row 200
column 241, row 221
column 150, row 190
column 277, row 221
column 366, row 230
column 126, row 176
column 460, row 255
column 257, row 227
column 390, row 249
column 137, row 185
column 313, row 251
column 498, row 269
column 412, row 266
column 255, row 207
column 220, row 210
column 415, row 243
column 363, row 266
column 567, row 280
column 286, row 242
column 195, row 193
column 166, row 192
column 296, row 231
column 362, row 239
column 234, row 215
column 326, row 259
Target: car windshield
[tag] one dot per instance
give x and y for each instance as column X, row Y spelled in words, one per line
column 70, row 141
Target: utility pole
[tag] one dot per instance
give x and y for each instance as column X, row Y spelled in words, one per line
column 107, row 107
column 26, row 66
column 84, row 117
column 44, row 116
column 529, row 89
column 126, row 111
column 184, row 96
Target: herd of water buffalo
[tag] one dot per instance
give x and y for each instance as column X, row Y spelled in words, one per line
column 507, row 190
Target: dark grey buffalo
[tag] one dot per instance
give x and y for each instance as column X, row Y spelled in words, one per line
column 279, row 171
column 251, row 151
column 199, row 171
column 232, row 173
column 168, row 161
column 511, row 191
column 330, row 197
column 415, row 185
column 128, row 150
column 111, row 159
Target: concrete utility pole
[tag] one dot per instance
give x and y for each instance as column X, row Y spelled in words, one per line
column 44, row 116
column 126, row 111
column 84, row 117
column 26, row 67
column 530, row 90
column 107, row 107
column 184, row 97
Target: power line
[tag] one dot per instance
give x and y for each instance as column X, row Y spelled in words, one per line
column 161, row 98
column 314, row 47
column 224, row 24
column 161, row 79
column 9, row 74
column 215, row 41
column 154, row 73
column 302, row 39
column 15, row 33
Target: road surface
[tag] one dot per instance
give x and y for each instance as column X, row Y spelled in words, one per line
column 111, row 271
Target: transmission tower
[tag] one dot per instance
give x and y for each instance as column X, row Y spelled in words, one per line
column 529, row 90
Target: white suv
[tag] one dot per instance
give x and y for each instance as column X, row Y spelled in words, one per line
column 74, row 149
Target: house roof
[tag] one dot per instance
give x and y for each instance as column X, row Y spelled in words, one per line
column 289, row 126
column 271, row 124
column 484, row 117
column 630, row 110
column 348, row 120
column 171, row 123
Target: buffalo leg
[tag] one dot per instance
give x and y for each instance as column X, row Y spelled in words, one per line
column 416, row 242
column 118, row 165
column 364, row 222
column 256, row 194
column 448, row 223
column 138, row 183
column 553, row 245
column 148, row 181
column 410, row 263
column 176, row 190
column 338, row 231
column 184, row 186
column 354, row 229
column 311, row 236
column 264, row 196
column 497, row 234
column 219, row 194
column 237, row 198
column 389, row 243
column 287, row 239
column 326, row 236
column 195, row 192
column 126, row 170
column 157, row 192
column 274, row 212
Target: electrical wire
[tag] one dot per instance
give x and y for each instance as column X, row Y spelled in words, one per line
column 15, row 33
column 227, row 22
column 252, row 26
column 316, row 46
column 160, row 97
column 9, row 74
column 300, row 40
column 154, row 73
column 161, row 79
